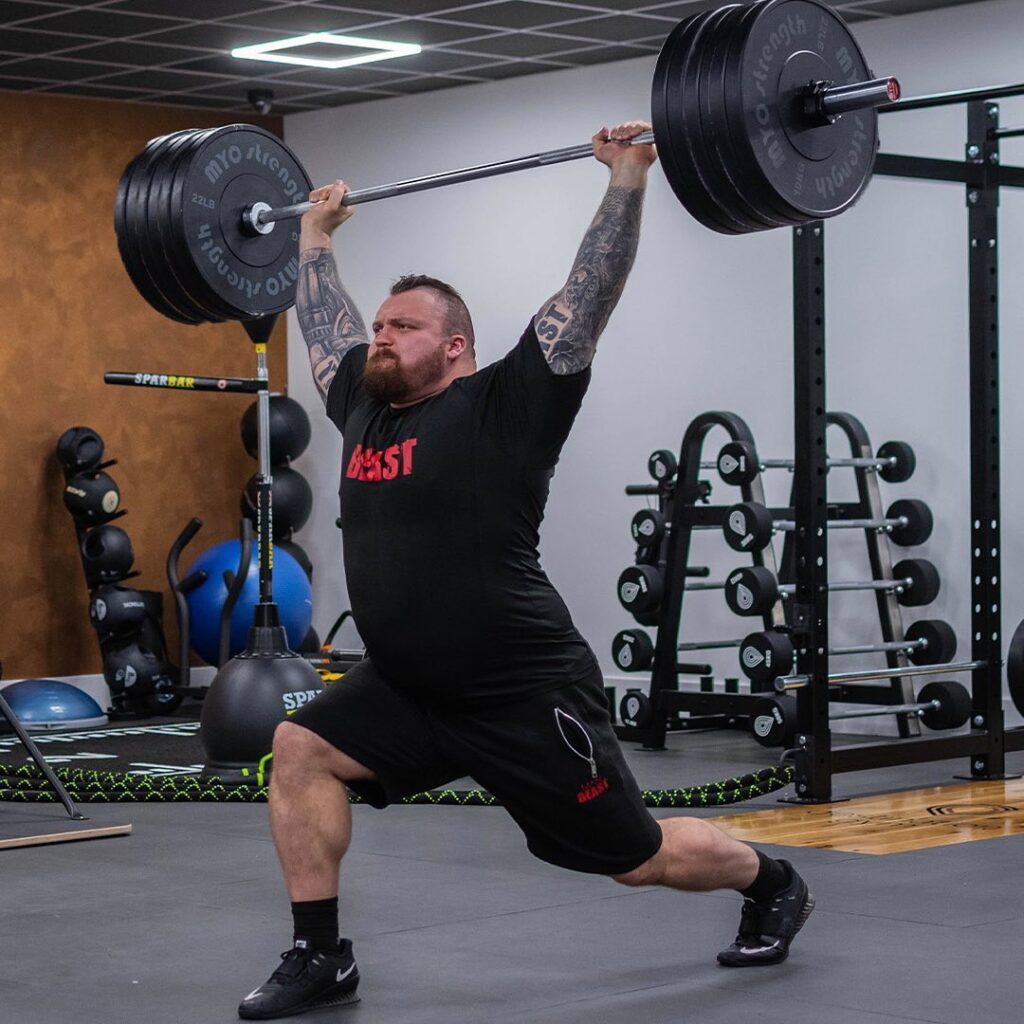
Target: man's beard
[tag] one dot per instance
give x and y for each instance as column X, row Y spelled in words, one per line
column 387, row 381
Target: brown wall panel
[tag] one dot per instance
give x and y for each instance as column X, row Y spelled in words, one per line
column 69, row 312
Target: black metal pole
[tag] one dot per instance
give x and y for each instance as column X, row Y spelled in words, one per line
column 809, row 607
column 983, row 286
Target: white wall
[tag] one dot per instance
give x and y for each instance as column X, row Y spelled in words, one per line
column 705, row 322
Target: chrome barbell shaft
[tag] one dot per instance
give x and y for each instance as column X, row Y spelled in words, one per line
column 796, row 682
column 443, row 178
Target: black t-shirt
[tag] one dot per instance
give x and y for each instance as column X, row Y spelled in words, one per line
column 441, row 504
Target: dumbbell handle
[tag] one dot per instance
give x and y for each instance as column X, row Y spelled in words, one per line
column 889, row 645
column 882, row 525
column 850, row 462
column 797, row 682
column 708, row 645
column 788, row 589
column 891, row 709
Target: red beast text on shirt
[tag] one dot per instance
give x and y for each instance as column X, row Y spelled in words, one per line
column 372, row 464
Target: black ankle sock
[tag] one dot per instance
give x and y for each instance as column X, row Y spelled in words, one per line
column 316, row 921
column 772, row 876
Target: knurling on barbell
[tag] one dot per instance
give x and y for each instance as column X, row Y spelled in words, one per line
column 764, row 116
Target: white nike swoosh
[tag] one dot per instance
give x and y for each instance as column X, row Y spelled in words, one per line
column 342, row 975
column 760, row 949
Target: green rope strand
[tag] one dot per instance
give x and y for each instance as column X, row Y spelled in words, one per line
column 26, row 784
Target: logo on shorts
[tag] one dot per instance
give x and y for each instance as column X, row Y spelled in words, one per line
column 578, row 740
column 591, row 790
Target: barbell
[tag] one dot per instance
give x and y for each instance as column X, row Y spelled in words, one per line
column 737, row 462
column 749, row 525
column 941, row 704
column 752, row 590
column 763, row 114
column 767, row 654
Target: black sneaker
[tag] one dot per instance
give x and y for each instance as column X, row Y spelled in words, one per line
column 767, row 928
column 306, row 980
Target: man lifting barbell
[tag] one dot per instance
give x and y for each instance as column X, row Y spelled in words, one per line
column 474, row 666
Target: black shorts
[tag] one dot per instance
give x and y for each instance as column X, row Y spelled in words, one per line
column 553, row 760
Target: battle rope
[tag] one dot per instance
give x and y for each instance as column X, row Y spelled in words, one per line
column 25, row 783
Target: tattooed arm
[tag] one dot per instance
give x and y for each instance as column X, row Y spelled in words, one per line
column 330, row 322
column 570, row 322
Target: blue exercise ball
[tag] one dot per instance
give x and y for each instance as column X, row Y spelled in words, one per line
column 50, row 704
column 292, row 594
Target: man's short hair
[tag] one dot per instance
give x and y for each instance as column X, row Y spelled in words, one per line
column 456, row 315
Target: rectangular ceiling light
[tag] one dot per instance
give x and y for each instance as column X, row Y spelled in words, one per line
column 272, row 51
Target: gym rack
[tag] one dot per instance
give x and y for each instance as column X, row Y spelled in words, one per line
column 815, row 759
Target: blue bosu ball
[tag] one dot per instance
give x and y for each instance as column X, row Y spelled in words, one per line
column 292, row 593
column 50, row 704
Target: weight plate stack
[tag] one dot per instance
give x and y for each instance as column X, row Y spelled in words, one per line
column 233, row 167
column 715, row 86
column 809, row 170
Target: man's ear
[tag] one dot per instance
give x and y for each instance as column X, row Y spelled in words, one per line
column 457, row 345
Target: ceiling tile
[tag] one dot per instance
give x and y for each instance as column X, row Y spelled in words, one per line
column 134, row 52
column 392, row 8
column 56, row 69
column 294, row 20
column 514, row 14
column 26, row 41
column 513, row 69
column 517, row 44
column 158, row 79
column 600, row 54
column 225, row 64
column 99, row 22
column 194, row 10
column 19, row 84
column 90, row 89
column 18, row 10
column 212, row 36
column 618, row 28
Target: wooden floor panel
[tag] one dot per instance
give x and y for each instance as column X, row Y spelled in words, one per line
column 891, row 823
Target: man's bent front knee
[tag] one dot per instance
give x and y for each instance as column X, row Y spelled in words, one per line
column 297, row 748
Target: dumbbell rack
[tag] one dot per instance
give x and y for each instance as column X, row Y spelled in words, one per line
column 672, row 708
column 681, row 500
column 985, row 745
column 899, row 689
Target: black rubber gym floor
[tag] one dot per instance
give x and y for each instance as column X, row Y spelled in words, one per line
column 454, row 922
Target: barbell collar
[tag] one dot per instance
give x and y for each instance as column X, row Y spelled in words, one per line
column 258, row 220
column 831, row 102
column 798, row 682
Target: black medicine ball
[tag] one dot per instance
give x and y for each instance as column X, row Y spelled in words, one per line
column 80, row 448
column 291, row 500
column 92, row 498
column 289, row 430
column 107, row 555
column 116, row 611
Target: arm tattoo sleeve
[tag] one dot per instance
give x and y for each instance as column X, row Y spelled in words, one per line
column 330, row 322
column 569, row 325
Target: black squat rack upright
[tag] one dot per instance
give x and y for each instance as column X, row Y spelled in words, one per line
column 816, row 760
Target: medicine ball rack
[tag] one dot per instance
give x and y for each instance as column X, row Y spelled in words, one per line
column 683, row 504
column 815, row 759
